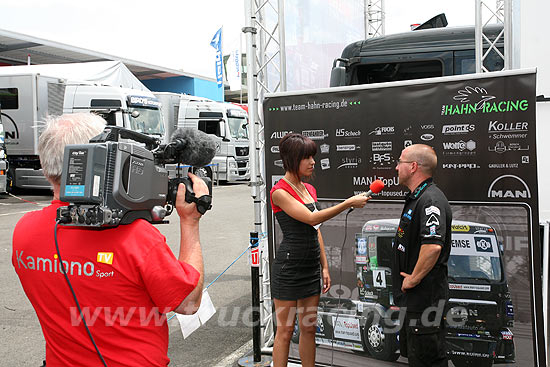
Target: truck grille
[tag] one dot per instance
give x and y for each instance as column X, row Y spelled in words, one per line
column 242, row 164
column 241, row 151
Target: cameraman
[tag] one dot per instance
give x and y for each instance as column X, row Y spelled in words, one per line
column 125, row 278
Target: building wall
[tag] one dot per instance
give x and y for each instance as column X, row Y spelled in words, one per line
column 182, row 84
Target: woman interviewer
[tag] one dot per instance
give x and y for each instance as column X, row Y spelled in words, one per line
column 295, row 274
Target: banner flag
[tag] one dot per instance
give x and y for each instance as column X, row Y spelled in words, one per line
column 234, row 69
column 217, row 44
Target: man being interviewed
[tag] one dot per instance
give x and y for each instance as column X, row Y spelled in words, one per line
column 421, row 250
column 125, row 278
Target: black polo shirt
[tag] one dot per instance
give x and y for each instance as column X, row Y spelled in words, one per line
column 426, row 219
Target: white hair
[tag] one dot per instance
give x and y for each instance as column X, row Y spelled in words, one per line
column 75, row 128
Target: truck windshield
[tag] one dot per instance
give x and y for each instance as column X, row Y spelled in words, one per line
column 236, row 127
column 475, row 256
column 149, row 121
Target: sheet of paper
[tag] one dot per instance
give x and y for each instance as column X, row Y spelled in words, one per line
column 190, row 323
column 207, row 309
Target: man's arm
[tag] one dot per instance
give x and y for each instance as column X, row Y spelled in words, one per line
column 429, row 253
column 190, row 247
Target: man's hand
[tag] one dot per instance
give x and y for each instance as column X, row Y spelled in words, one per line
column 188, row 211
column 408, row 282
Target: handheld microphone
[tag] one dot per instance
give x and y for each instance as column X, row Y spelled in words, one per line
column 192, row 147
column 375, row 187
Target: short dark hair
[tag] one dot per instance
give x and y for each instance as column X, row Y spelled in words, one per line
column 293, row 148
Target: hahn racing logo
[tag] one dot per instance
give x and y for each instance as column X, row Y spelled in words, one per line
column 483, row 244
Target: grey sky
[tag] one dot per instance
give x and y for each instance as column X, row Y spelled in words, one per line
column 177, row 34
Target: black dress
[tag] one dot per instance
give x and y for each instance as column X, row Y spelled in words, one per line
column 296, row 271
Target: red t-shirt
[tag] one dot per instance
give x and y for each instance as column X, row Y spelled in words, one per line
column 125, row 278
column 282, row 184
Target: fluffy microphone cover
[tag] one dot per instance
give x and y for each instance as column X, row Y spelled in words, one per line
column 199, row 148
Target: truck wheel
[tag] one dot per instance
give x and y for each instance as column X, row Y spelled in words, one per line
column 202, row 172
column 379, row 344
column 470, row 362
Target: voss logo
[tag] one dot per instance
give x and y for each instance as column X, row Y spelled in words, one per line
column 383, row 130
column 509, row 187
column 427, row 127
column 279, row 134
column 315, row 134
column 347, row 133
column 483, row 244
column 458, row 129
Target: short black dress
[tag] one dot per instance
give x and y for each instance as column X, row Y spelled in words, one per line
column 296, row 271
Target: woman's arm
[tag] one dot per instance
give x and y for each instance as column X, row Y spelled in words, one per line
column 324, row 264
column 298, row 211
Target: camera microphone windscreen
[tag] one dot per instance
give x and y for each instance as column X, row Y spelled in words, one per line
column 193, row 146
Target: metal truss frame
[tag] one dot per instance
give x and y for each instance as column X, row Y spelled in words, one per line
column 503, row 15
column 375, row 18
column 265, row 57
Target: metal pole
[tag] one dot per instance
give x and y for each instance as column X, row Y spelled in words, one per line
column 508, row 34
column 545, row 274
column 255, row 275
column 478, row 38
column 282, row 46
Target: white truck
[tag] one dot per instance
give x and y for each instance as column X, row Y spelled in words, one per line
column 227, row 122
column 3, row 162
column 30, row 93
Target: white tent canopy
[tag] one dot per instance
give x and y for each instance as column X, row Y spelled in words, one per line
column 112, row 73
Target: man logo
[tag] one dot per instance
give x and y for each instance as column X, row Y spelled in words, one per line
column 483, row 244
column 509, row 187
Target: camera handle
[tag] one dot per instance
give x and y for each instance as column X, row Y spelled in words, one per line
column 202, row 203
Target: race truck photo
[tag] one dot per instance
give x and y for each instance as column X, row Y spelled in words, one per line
column 479, row 300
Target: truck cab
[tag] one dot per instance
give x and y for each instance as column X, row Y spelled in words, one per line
column 479, row 300
column 479, row 333
column 28, row 98
column 419, row 54
column 227, row 123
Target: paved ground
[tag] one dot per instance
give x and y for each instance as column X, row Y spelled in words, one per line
column 224, row 236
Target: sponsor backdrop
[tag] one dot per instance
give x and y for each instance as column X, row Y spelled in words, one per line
column 483, row 130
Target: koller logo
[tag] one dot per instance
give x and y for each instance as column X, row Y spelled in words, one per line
column 383, row 130
column 458, row 129
column 324, row 148
column 499, row 127
column 279, row 134
column 315, row 134
column 509, row 187
column 278, row 163
column 427, row 137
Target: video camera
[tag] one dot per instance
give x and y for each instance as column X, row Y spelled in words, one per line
column 108, row 182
